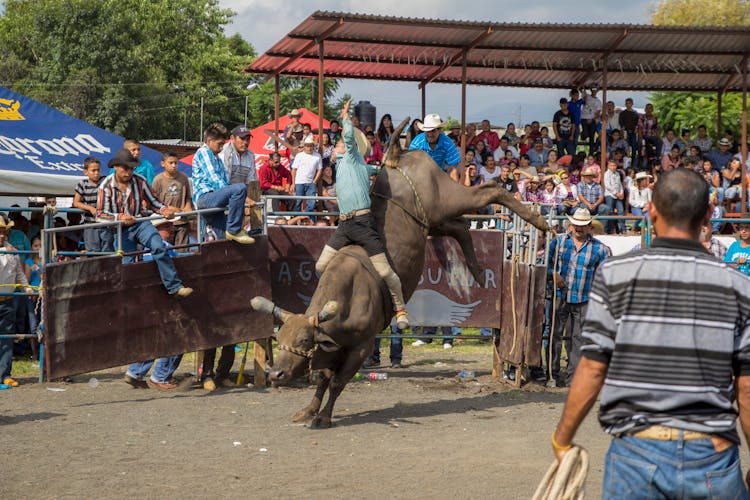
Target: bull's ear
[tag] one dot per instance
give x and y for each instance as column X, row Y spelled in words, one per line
column 262, row 304
column 324, row 341
column 328, row 311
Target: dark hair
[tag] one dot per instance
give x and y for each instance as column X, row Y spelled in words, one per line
column 384, row 133
column 90, row 161
column 629, row 99
column 169, row 154
column 215, row 131
column 524, row 156
column 563, row 100
column 681, row 198
column 505, row 138
column 274, row 154
column 306, row 125
column 369, row 133
column 701, row 126
column 335, row 121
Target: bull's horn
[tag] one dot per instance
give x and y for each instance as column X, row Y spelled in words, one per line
column 328, row 311
column 394, row 146
column 262, row 304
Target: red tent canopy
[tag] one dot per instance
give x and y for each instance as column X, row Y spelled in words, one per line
column 262, row 144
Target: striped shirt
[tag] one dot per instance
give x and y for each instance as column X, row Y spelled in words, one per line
column 577, row 267
column 114, row 203
column 89, row 192
column 209, row 173
column 673, row 325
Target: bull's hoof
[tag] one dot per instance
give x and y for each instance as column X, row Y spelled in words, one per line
column 303, row 415
column 320, row 422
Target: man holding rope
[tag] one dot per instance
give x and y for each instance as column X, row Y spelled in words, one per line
column 667, row 341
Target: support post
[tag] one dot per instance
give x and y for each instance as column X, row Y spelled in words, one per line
column 200, row 132
column 603, row 133
column 719, row 95
column 744, row 136
column 424, row 101
column 321, row 58
column 461, row 173
column 276, row 110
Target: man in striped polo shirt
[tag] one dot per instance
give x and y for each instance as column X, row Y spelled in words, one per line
column 667, row 341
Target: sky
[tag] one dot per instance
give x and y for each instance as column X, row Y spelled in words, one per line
column 265, row 22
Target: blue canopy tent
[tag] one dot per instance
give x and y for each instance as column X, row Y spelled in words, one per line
column 42, row 149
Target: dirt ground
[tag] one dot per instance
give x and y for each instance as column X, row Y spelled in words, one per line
column 422, row 433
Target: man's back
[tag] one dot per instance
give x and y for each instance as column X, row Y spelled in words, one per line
column 666, row 321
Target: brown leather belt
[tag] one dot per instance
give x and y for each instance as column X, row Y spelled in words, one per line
column 663, row 433
column 6, row 297
column 354, row 213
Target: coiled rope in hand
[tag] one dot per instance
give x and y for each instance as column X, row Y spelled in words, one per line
column 564, row 481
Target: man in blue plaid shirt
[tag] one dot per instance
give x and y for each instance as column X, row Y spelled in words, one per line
column 591, row 194
column 573, row 260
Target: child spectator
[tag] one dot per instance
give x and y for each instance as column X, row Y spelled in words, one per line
column 173, row 189
column 144, row 167
column 98, row 239
column 738, row 253
column 33, row 269
column 614, row 194
column 640, row 197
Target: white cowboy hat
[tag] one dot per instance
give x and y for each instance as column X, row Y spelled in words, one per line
column 430, row 122
column 309, row 140
column 642, row 175
column 581, row 217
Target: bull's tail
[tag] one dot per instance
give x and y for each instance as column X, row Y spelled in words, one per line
column 393, row 153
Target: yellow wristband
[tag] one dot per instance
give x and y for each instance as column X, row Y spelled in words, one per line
column 557, row 446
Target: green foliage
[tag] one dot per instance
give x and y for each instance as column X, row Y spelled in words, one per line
column 690, row 109
column 138, row 68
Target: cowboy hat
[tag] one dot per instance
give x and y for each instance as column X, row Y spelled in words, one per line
column 294, row 112
column 309, row 140
column 123, row 158
column 642, row 175
column 588, row 172
column 581, row 217
column 5, row 223
column 430, row 122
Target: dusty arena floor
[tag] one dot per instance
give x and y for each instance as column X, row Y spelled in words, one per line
column 422, row 433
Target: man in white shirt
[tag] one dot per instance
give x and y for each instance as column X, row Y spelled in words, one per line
column 306, row 171
column 499, row 153
column 590, row 114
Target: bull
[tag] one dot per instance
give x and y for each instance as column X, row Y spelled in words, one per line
column 411, row 200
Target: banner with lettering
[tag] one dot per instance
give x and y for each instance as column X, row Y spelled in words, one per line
column 42, row 149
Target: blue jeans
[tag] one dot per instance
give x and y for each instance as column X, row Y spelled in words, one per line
column 645, row 468
column 566, row 146
column 147, row 235
column 397, row 347
column 305, row 190
column 639, row 212
column 98, row 239
column 612, row 204
column 447, row 331
column 164, row 368
column 232, row 196
column 7, row 327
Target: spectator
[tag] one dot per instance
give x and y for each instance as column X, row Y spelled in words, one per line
column 327, row 187
column 616, row 142
column 306, row 133
column 11, row 272
column 668, row 141
column 502, row 150
column 455, row 134
column 375, row 157
column 666, row 399
column 614, row 194
column 564, row 126
column 122, row 197
column 671, row 159
column 240, row 164
column 575, row 105
column 629, row 119
column 275, row 179
column 567, row 194
column 684, row 141
column 172, row 187
column 738, row 254
column 732, row 179
column 164, row 368
column 489, row 136
column 334, row 133
column 590, row 117
column 648, row 130
column 325, row 149
column 549, row 197
column 293, row 126
column 33, row 267
column 471, row 178
column 713, row 178
column 573, row 257
column 713, row 245
column 702, row 140
column 640, row 197
column 613, row 118
column 305, row 174
column 513, row 139
column 480, row 151
column 506, row 181
column 144, row 168
column 537, row 155
column 552, row 166
column 533, row 194
column 490, row 171
column 211, row 188
column 385, row 131
column 396, row 353
column 546, row 139
column 720, row 158
column 591, row 195
column 414, row 131
column 526, row 141
column 435, row 143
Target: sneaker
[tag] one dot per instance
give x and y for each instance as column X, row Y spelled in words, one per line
column 135, row 383
column 240, row 237
column 396, row 364
column 183, row 292
column 209, row 385
column 371, row 363
column 418, row 343
column 11, row 382
column 447, row 345
column 402, row 320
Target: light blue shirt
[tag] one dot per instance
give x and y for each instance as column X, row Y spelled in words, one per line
column 444, row 153
column 352, row 175
column 733, row 254
column 209, row 173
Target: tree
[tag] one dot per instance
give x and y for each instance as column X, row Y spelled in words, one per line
column 137, row 68
column 690, row 109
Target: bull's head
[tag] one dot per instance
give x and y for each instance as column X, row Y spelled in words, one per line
column 299, row 338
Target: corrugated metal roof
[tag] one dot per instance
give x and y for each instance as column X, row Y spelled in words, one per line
column 638, row 57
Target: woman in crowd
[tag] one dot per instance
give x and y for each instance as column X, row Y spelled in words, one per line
column 326, row 148
column 546, row 139
column 385, row 131
column 731, row 177
column 489, row 171
column 549, row 197
column 510, row 133
column 413, row 131
column 566, row 194
column 640, row 197
column 327, row 187
column 480, row 151
column 526, row 142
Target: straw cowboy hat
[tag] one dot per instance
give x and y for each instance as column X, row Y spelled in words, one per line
column 642, row 175
column 309, row 140
column 294, row 112
column 430, row 122
column 5, row 223
column 588, row 172
column 581, row 217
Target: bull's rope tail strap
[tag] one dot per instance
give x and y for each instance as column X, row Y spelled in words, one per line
column 513, row 272
column 565, row 480
column 554, row 308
